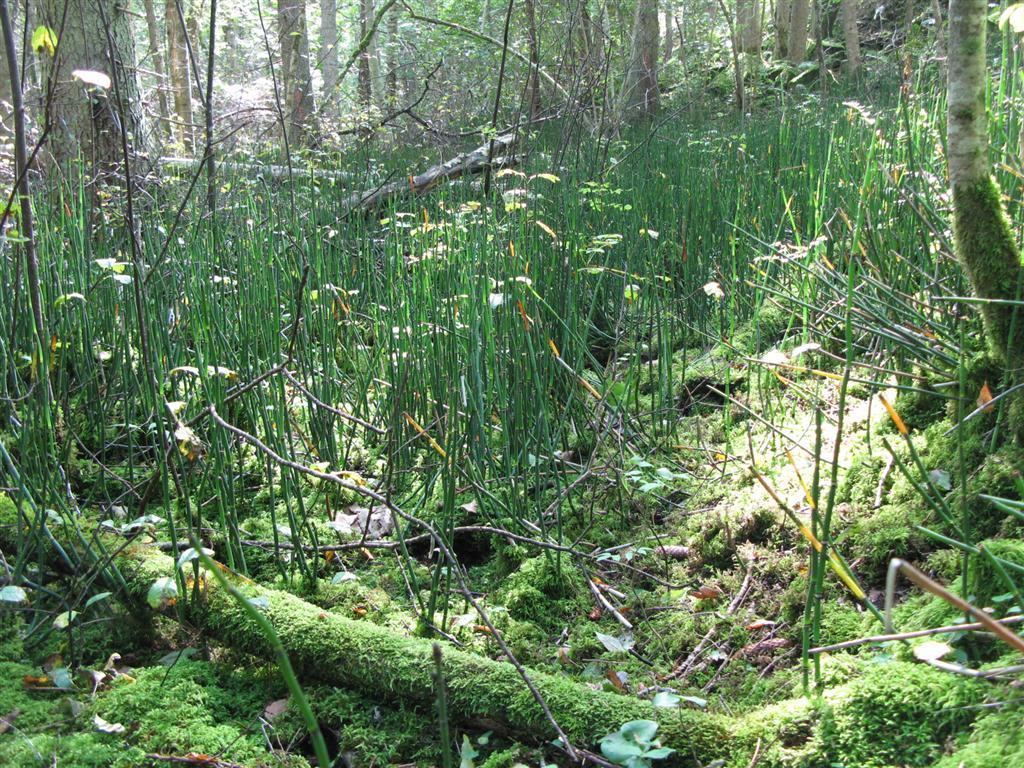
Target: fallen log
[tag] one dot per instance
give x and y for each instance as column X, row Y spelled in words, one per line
column 257, row 170
column 461, row 165
column 381, row 664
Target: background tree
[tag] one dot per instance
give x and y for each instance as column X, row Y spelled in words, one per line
column 296, row 79
column 796, row 48
column 328, row 50
column 85, row 118
column 640, row 88
column 180, row 75
column 851, row 36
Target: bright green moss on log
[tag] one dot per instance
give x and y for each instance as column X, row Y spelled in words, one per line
column 886, row 711
column 379, row 663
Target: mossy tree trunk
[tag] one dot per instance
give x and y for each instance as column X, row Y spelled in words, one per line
column 984, row 241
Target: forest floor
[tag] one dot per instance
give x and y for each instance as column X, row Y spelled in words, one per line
column 661, row 559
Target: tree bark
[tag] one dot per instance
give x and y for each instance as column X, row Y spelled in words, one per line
column 851, row 36
column 799, row 16
column 328, row 48
column 783, row 11
column 296, row 79
column 670, row 36
column 87, row 119
column 157, row 57
column 984, row 240
column 533, row 82
column 640, row 90
column 364, row 85
column 394, row 47
column 180, row 80
column 748, row 26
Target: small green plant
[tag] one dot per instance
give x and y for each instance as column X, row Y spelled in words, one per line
column 635, row 745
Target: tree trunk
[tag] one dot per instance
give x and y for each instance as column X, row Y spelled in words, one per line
column 783, row 11
column 682, row 41
column 748, row 26
column 984, row 240
column 532, row 98
column 851, row 36
column 180, row 80
column 670, row 36
column 940, row 37
column 296, row 79
column 365, row 74
column 640, row 90
column 394, row 47
column 88, row 119
column 328, row 48
column 157, row 57
column 801, row 11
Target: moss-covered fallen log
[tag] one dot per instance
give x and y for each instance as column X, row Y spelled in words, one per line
column 878, row 711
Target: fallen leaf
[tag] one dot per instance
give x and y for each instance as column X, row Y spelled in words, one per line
column 931, row 650
column 707, row 592
column 275, row 708
column 984, row 398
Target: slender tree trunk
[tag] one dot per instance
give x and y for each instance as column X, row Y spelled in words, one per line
column 365, row 75
column 328, row 48
column 180, row 80
column 783, row 11
column 940, row 37
column 851, row 36
column 296, row 79
column 89, row 120
column 533, row 83
column 984, row 240
column 681, row 55
column 485, row 17
column 670, row 36
column 908, row 19
column 157, row 58
column 394, row 47
column 737, row 62
column 6, row 94
column 640, row 90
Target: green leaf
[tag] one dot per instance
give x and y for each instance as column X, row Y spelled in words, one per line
column 13, row 594
column 61, row 678
column 191, row 554
column 97, row 598
column 659, row 754
column 64, row 620
column 44, row 39
column 162, row 593
column 618, row 749
column 468, row 753
column 341, row 578
column 666, row 699
column 640, row 730
column 616, row 644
